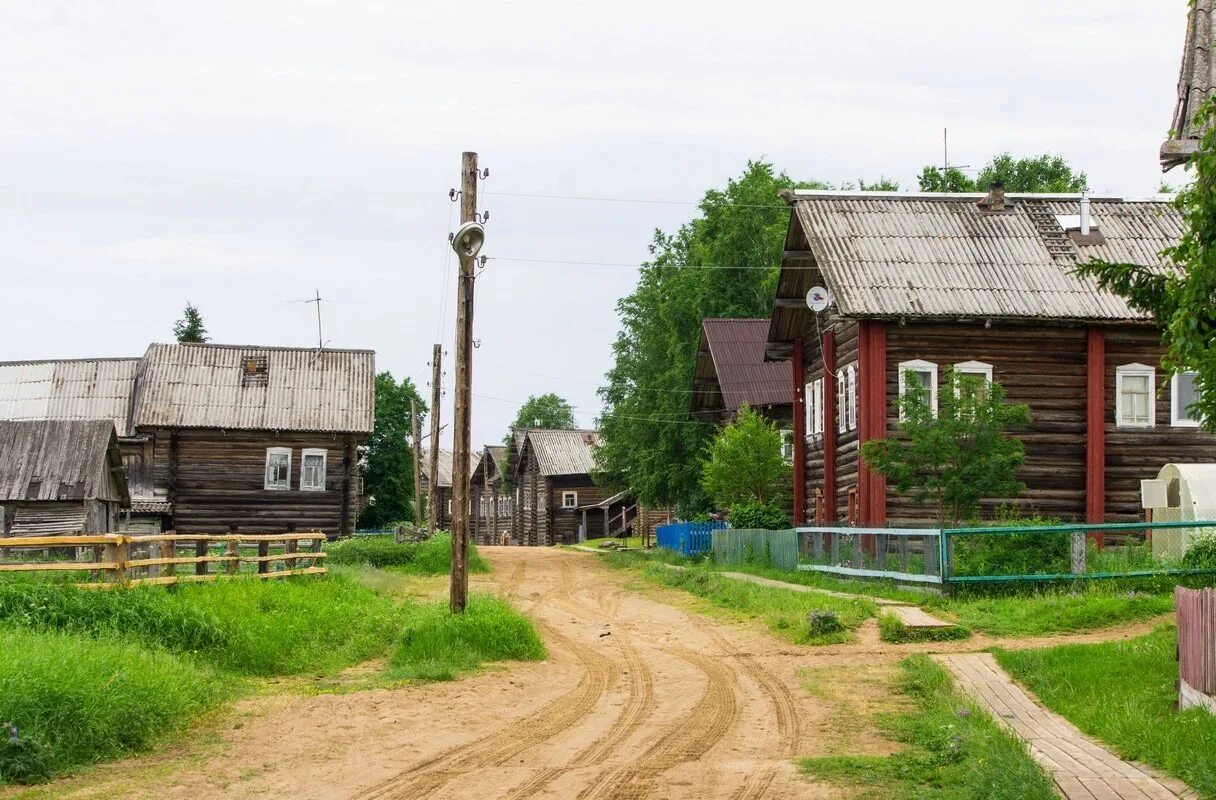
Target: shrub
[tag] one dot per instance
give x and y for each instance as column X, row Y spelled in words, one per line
column 23, row 759
column 753, row 515
column 1016, row 553
column 822, row 622
column 1202, row 554
column 439, row 645
column 431, row 556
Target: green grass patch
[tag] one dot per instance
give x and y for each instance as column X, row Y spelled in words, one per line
column 438, row 645
column 75, row 700
column 786, row 612
column 954, row 751
column 1123, row 693
column 892, row 629
column 634, row 542
column 1061, row 610
column 431, row 556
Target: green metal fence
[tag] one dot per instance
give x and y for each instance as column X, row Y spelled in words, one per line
column 907, row 555
column 778, row 548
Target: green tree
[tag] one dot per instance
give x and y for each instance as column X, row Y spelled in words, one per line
column 958, row 456
column 744, row 463
column 388, row 469
column 545, row 411
column 190, row 327
column 1045, row 173
column 1182, row 300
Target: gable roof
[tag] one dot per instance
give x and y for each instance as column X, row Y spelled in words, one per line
column 1196, row 82
column 895, row 255
column 205, row 386
column 491, row 457
column 731, row 369
column 58, row 459
column 98, row 388
column 561, row 452
column 444, row 467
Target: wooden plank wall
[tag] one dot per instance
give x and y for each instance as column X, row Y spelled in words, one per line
column 1197, row 638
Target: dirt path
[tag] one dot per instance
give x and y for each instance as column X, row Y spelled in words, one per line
column 639, row 699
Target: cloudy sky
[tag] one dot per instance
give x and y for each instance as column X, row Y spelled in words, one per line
column 244, row 154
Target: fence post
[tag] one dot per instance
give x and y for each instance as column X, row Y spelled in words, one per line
column 167, row 550
column 1077, row 552
column 289, row 547
column 263, row 552
column 200, row 551
column 835, row 549
column 881, row 555
column 232, row 551
column 116, row 554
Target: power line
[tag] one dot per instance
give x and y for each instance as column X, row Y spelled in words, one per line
column 582, row 198
column 622, row 264
column 579, row 380
column 663, row 420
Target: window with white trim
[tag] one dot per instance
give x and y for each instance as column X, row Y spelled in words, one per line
column 850, row 379
column 1184, row 394
column 1134, row 396
column 481, row 506
column 980, row 371
column 787, row 446
column 449, row 506
column 922, row 374
column 569, row 499
column 814, row 410
column 842, row 401
column 278, row 469
column 312, row 470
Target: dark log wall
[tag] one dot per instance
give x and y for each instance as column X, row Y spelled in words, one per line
column 565, row 522
column 845, row 334
column 1135, row 454
column 216, row 479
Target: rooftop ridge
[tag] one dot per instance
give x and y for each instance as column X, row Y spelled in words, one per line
column 799, row 194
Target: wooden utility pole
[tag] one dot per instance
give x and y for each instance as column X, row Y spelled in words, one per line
column 432, row 495
column 462, row 428
column 417, row 462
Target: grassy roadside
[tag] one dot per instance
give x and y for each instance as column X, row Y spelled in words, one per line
column 431, row 556
column 953, row 750
column 1123, row 693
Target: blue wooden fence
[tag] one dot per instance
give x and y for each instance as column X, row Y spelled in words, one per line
column 688, row 538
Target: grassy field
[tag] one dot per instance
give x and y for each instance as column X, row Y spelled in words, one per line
column 1057, row 610
column 1123, row 693
column 634, row 542
column 438, row 646
column 953, row 750
column 429, row 557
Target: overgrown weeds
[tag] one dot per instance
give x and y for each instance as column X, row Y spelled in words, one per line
column 431, row 556
column 1058, row 610
column 437, row 645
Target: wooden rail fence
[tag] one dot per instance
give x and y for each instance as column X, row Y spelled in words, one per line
column 122, row 560
column 1196, row 609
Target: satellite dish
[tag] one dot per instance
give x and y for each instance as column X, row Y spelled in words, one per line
column 817, row 299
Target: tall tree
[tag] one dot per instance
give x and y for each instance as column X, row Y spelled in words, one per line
column 1045, row 173
column 723, row 263
column 190, row 327
column 545, row 411
column 388, row 468
column 1182, row 300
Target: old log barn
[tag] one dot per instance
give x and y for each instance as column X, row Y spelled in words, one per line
column 444, row 484
column 219, row 438
column 491, row 497
column 60, row 477
column 556, row 500
column 983, row 285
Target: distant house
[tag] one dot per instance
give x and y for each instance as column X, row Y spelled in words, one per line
column 219, row 438
column 444, row 483
column 983, row 285
column 60, row 477
column 731, row 370
column 493, row 501
column 1195, row 84
column 556, row 500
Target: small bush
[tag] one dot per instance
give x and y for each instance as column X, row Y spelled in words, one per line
column 1202, row 554
column 23, row 759
column 821, row 622
column 431, row 556
column 1014, row 554
column 438, row 645
column 753, row 515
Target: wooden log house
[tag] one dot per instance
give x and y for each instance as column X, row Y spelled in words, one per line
column 444, row 483
column 493, row 501
column 220, row 438
column 60, row 477
column 982, row 284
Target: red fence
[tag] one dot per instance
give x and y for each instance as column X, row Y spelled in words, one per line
column 1197, row 639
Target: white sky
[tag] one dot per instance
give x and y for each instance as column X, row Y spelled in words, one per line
column 243, row 154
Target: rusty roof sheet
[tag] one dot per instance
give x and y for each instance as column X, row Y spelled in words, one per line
column 1196, row 82
column 56, row 459
column 563, row 452
column 300, row 389
column 736, row 355
column 924, row 255
column 83, row 389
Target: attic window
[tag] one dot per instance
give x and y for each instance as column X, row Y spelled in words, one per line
column 255, row 371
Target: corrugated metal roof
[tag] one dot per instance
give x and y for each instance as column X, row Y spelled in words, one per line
column 736, row 350
column 894, row 255
column 206, row 386
column 563, row 452
column 1196, row 82
column 69, row 390
column 57, row 459
column 444, row 467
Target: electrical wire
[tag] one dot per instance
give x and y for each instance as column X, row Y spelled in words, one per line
column 582, row 198
column 626, row 264
column 447, row 266
column 680, row 421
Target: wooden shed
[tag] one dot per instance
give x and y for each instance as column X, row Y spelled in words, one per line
column 60, row 477
column 982, row 284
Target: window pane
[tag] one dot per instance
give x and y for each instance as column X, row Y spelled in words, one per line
column 1187, row 396
column 1136, row 397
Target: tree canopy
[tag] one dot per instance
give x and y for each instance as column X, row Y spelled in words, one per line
column 190, row 328
column 1045, row 173
column 545, row 411
column 388, row 469
column 744, row 463
column 1182, row 301
column 958, row 455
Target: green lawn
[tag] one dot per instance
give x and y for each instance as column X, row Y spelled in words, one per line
column 953, row 751
column 1123, row 693
column 1057, row 610
column 633, row 542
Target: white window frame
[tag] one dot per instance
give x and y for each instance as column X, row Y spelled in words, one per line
column 570, row 496
column 787, row 445
column 266, row 483
column 304, row 454
column 814, row 408
column 842, row 401
column 1125, row 371
column 809, row 409
column 850, row 374
column 974, row 369
column 918, row 365
column 1179, row 416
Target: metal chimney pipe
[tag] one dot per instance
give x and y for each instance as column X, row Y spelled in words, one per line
column 1085, row 218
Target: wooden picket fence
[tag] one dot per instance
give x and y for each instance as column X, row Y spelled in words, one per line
column 167, row 558
column 1196, row 610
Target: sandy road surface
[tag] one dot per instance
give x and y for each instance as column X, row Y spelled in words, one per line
column 639, row 700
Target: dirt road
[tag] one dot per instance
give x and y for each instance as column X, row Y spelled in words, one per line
column 639, row 700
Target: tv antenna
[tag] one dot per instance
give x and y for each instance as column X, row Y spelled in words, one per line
column 318, row 300
column 946, row 165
